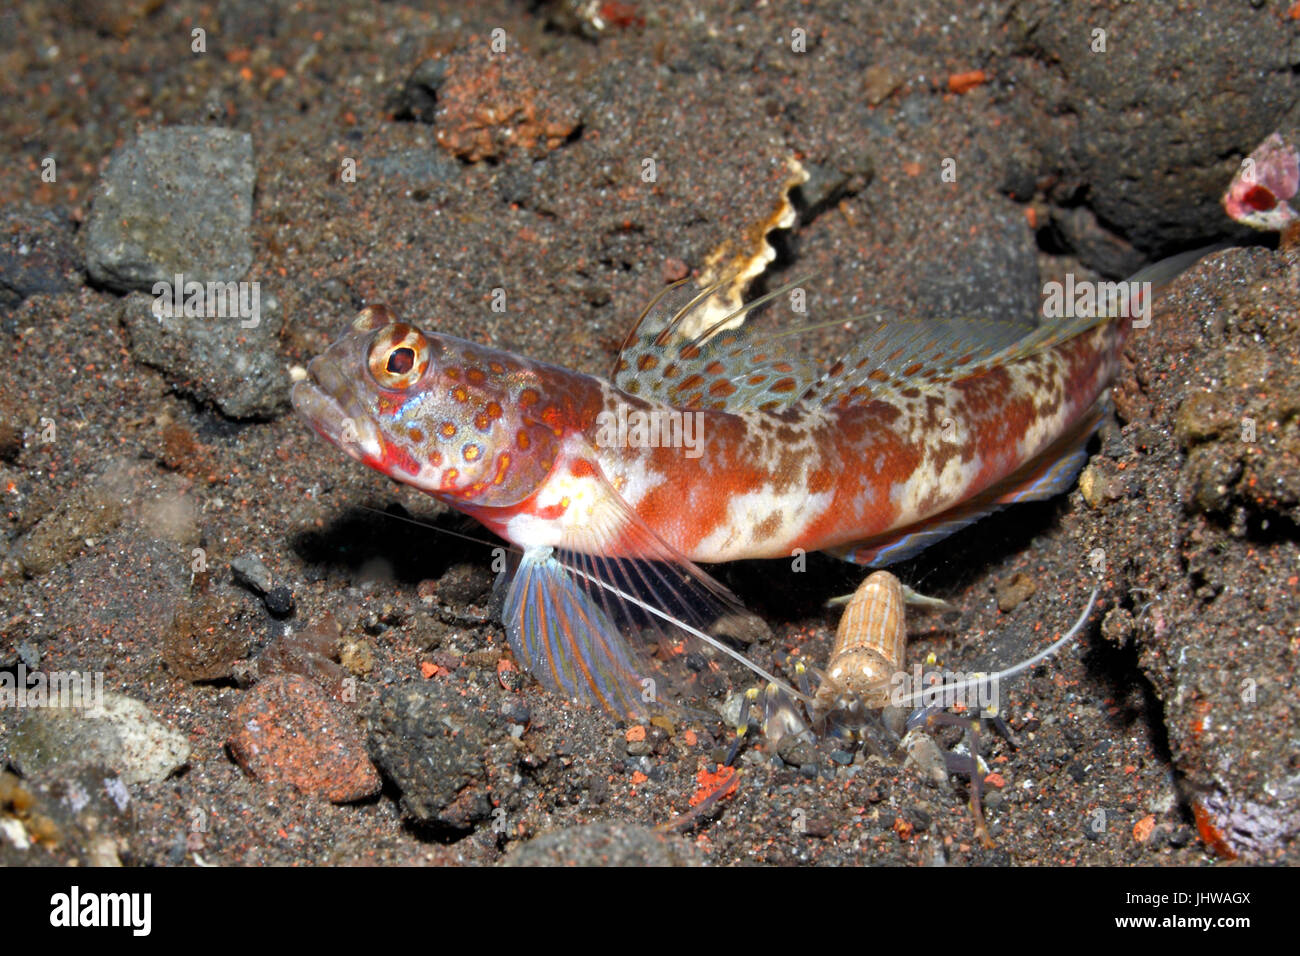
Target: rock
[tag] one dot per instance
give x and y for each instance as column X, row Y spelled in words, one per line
column 1108, row 112
column 249, row 571
column 464, row 584
column 605, row 844
column 279, row 601
column 287, row 731
column 37, row 254
column 1202, row 546
column 121, row 735
column 88, row 513
column 216, row 360
column 1014, row 590
column 206, row 637
column 432, row 748
column 177, row 200
column 491, row 104
column 310, row 652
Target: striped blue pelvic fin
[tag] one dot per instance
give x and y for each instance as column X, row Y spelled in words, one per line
column 566, row 639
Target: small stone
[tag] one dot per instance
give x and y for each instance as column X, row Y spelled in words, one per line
column 431, row 744
column 1014, row 590
column 279, row 601
column 358, row 657
column 1092, row 485
column 308, row 652
column 70, row 731
column 878, row 83
column 287, row 731
column 605, row 844
column 177, row 200
column 249, row 571
column 205, row 638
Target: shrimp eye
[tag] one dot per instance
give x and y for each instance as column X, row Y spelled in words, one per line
column 399, row 356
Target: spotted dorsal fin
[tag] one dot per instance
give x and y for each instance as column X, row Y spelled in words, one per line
column 717, row 366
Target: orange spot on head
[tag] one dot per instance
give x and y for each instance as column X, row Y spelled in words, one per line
column 503, row 466
column 493, row 410
column 581, row 468
column 522, row 440
column 529, row 397
column 496, row 367
column 471, row 452
column 475, row 375
column 447, row 429
column 460, row 393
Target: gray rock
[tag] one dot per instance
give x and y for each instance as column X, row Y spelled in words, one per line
column 251, row 572
column 215, row 360
column 176, row 200
column 425, row 740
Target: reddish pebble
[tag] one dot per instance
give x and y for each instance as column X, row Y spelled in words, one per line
column 1143, row 829
column 965, row 82
column 675, row 270
column 288, row 731
column 995, row 780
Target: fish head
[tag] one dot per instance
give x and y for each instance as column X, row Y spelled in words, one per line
column 447, row 416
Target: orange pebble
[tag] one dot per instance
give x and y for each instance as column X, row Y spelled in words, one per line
column 965, row 82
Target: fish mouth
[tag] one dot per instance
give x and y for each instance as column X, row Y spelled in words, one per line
column 326, row 400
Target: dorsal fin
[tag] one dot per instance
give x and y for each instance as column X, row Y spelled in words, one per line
column 717, row 367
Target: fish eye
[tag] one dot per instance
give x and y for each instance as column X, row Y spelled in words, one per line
column 399, row 356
